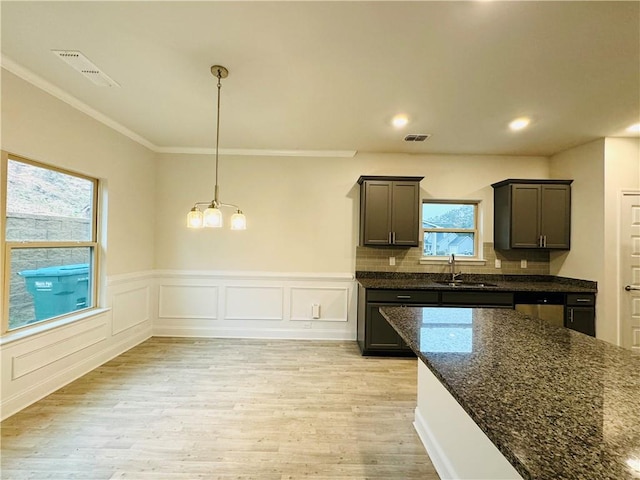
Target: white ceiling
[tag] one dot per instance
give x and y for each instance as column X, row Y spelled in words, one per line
column 329, row 76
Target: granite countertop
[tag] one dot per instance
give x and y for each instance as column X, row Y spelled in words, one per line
column 500, row 283
column 558, row 404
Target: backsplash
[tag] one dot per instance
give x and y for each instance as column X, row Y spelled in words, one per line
column 376, row 259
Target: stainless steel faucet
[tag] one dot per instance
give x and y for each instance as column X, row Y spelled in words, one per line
column 452, row 263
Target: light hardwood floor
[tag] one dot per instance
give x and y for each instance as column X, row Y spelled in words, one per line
column 225, row 409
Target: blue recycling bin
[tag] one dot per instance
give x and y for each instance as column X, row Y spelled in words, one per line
column 57, row 290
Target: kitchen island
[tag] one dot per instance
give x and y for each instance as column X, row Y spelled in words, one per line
column 550, row 403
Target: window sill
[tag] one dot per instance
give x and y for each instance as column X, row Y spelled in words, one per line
column 459, row 261
column 37, row 328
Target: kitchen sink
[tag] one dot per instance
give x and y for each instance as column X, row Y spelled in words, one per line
column 459, row 283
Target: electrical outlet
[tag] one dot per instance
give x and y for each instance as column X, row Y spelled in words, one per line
column 498, row 263
column 523, row 263
column 392, row 261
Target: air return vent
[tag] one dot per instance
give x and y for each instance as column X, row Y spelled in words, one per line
column 417, row 137
column 83, row 65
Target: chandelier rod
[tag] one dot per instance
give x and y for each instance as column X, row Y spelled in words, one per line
column 219, row 72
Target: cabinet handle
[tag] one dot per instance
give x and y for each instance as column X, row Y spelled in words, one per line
column 390, row 238
column 393, row 237
column 545, row 241
column 583, row 300
column 403, row 297
column 540, row 241
column 571, row 315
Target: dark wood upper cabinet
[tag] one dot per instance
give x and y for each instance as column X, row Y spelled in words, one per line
column 389, row 211
column 534, row 214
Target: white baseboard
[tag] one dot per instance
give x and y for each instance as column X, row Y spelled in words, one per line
column 266, row 333
column 436, row 454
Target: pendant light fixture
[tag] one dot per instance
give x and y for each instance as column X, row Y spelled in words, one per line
column 212, row 215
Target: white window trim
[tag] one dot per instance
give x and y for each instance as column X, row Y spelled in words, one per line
column 445, row 260
column 477, row 259
column 6, row 248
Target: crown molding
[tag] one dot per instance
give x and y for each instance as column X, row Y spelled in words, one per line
column 39, row 82
column 36, row 80
column 259, row 152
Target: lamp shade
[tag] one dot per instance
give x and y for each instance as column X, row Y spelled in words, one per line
column 212, row 217
column 194, row 218
column 238, row 221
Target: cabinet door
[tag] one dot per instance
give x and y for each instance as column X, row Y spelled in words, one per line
column 380, row 335
column 525, row 216
column 555, row 216
column 582, row 319
column 405, row 214
column 376, row 213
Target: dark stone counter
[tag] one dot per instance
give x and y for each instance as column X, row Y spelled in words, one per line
column 504, row 283
column 558, row 404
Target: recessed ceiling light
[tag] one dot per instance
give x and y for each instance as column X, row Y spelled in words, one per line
column 400, row 121
column 635, row 128
column 519, row 123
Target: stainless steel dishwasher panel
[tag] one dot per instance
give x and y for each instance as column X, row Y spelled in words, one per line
column 552, row 314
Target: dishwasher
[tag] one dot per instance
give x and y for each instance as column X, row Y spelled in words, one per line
column 547, row 306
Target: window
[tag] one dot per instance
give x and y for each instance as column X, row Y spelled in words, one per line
column 49, row 235
column 450, row 227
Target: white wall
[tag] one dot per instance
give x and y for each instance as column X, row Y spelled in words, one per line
column 621, row 172
column 302, row 213
column 601, row 170
column 40, row 127
column 584, row 165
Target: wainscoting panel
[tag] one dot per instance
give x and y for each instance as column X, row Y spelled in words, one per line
column 256, row 305
column 253, row 302
column 130, row 308
column 42, row 358
column 59, row 346
column 332, row 303
column 188, row 301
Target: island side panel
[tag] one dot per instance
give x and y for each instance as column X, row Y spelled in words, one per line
column 456, row 445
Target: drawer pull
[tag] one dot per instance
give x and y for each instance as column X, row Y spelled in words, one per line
column 583, row 300
column 403, row 297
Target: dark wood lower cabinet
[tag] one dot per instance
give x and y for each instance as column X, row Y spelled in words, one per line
column 581, row 319
column 580, row 313
column 376, row 337
column 380, row 336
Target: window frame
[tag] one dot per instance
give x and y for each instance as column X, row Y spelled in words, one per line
column 475, row 231
column 7, row 247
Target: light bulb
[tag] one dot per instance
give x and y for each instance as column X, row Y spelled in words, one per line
column 212, row 217
column 238, row 221
column 194, row 218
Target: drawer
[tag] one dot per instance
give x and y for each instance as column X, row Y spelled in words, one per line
column 402, row 296
column 581, row 299
column 477, row 298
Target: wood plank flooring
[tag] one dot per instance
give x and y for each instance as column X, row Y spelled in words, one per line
column 175, row 408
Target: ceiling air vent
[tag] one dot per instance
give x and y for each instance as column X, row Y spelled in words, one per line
column 417, row 137
column 83, row 65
